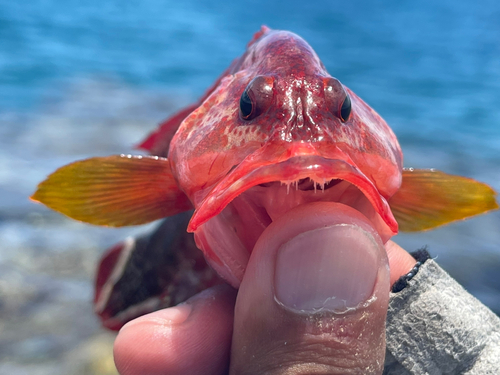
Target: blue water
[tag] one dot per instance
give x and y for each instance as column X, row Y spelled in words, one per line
column 91, row 78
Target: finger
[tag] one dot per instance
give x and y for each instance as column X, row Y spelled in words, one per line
column 314, row 296
column 192, row 338
column 400, row 261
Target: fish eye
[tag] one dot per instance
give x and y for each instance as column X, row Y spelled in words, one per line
column 246, row 106
column 257, row 97
column 345, row 109
column 337, row 99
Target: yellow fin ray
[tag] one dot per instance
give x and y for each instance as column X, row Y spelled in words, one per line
column 429, row 198
column 114, row 191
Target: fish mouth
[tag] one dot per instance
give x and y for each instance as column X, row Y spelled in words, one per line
column 238, row 209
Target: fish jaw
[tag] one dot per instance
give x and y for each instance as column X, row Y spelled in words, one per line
column 233, row 215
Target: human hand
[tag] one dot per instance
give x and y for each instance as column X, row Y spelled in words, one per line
column 313, row 300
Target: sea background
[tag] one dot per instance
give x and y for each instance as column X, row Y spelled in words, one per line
column 80, row 79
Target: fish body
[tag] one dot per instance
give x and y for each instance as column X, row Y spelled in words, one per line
column 241, row 173
column 275, row 131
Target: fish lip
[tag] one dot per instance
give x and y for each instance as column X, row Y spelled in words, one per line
column 315, row 167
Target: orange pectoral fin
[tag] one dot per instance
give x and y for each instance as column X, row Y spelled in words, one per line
column 429, row 198
column 115, row 191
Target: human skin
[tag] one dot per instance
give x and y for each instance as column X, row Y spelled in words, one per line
column 313, row 301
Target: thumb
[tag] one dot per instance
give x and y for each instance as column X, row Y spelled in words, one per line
column 314, row 296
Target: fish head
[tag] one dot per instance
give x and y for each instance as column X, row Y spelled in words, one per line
column 278, row 132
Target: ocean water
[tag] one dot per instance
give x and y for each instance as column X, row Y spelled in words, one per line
column 81, row 79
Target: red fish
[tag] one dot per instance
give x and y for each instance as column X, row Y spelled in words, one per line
column 275, row 131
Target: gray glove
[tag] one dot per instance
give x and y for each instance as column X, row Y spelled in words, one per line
column 435, row 327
